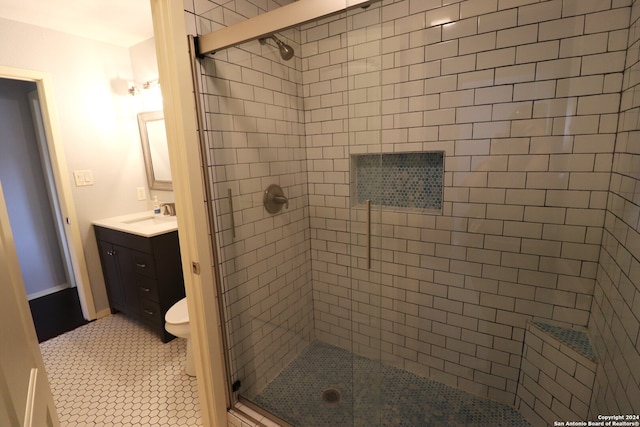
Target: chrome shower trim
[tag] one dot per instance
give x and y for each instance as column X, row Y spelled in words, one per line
column 286, row 51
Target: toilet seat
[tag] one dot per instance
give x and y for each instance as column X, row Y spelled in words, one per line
column 178, row 313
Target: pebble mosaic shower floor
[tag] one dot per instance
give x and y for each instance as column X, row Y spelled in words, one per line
column 406, row 399
column 115, row 372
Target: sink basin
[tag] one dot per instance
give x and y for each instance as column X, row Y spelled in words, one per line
column 150, row 220
column 144, row 224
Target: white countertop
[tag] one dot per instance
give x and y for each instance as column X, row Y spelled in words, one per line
column 145, row 224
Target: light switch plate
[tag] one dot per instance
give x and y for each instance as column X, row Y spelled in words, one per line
column 142, row 194
column 83, row 177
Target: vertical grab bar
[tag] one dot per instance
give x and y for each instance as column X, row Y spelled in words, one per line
column 368, row 234
column 233, row 221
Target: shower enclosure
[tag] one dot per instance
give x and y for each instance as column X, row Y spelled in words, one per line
column 303, row 285
column 325, row 299
column 441, row 187
column 260, row 136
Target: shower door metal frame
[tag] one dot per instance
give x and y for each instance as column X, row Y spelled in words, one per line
column 202, row 139
column 280, row 19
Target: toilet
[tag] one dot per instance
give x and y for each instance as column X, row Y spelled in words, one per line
column 177, row 323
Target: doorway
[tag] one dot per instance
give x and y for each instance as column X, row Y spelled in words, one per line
column 32, row 202
column 34, row 207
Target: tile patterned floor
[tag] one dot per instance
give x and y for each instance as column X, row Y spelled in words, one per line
column 405, row 400
column 115, row 372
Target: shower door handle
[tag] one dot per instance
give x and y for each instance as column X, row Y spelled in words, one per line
column 368, row 234
column 232, row 219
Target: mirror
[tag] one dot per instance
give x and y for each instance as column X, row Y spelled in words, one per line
column 155, row 150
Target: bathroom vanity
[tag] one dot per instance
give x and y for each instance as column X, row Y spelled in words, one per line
column 140, row 259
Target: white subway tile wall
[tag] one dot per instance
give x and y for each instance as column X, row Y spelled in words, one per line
column 515, row 94
column 523, row 98
column 615, row 314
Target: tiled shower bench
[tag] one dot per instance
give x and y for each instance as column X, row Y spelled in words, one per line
column 557, row 374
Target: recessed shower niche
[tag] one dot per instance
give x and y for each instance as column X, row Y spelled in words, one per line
column 398, row 180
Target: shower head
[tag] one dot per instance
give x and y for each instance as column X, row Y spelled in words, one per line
column 286, row 51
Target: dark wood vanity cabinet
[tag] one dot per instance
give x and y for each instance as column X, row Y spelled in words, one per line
column 143, row 275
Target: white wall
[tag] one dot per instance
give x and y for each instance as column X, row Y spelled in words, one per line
column 144, row 63
column 97, row 121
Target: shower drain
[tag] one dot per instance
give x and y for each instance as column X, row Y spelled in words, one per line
column 331, row 395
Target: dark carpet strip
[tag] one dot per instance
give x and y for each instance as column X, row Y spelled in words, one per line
column 56, row 313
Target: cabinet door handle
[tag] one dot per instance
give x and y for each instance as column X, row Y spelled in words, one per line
column 141, row 265
column 146, row 289
column 149, row 312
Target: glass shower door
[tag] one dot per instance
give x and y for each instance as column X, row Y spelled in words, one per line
column 301, row 287
column 368, row 256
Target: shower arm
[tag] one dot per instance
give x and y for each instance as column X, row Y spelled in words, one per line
column 277, row 40
column 272, row 22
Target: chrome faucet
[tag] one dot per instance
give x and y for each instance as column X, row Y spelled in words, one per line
column 168, row 209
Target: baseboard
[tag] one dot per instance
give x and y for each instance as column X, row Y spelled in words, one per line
column 47, row 291
column 103, row 313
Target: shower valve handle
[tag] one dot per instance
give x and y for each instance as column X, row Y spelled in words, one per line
column 282, row 200
column 274, row 199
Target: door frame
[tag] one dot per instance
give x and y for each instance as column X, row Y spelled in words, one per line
column 45, row 161
column 62, row 185
column 196, row 239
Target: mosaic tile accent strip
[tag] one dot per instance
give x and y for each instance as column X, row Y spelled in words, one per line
column 577, row 340
column 406, row 180
column 383, row 395
column 116, row 372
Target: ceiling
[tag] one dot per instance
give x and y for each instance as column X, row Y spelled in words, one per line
column 120, row 22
